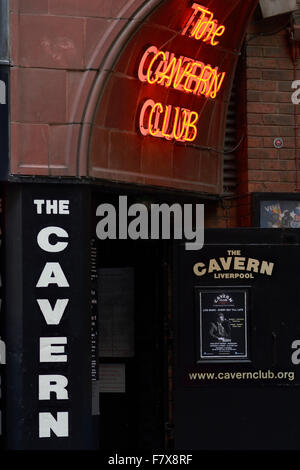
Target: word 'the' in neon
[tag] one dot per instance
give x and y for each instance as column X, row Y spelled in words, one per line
column 203, row 28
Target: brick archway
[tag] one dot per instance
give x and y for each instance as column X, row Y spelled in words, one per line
column 61, row 53
column 105, row 54
column 111, row 145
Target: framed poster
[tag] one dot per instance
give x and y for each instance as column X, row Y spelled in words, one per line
column 276, row 210
column 222, row 324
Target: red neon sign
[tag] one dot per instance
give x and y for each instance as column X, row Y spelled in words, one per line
column 183, row 73
column 168, row 122
column 203, row 27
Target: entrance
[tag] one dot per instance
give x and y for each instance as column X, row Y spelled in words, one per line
column 132, row 310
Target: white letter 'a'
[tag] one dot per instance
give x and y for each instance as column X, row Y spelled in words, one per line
column 295, row 95
column 296, row 354
column 53, row 315
column 52, row 274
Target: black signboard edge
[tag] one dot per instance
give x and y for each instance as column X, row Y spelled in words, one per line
column 14, row 197
column 199, row 360
column 4, row 119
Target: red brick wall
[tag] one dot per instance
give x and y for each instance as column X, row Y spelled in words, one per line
column 267, row 112
column 57, row 47
column 270, row 114
column 56, row 50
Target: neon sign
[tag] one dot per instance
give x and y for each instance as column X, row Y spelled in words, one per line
column 168, row 122
column 184, row 74
column 205, row 28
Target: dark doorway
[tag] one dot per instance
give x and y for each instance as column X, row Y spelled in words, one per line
column 132, row 300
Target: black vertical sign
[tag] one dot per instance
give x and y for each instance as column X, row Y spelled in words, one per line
column 49, row 393
column 4, row 107
column 4, row 98
column 2, row 338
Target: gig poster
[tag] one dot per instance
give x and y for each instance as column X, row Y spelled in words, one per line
column 223, row 324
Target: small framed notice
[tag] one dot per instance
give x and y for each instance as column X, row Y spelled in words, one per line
column 222, row 324
column 112, row 378
column 276, row 210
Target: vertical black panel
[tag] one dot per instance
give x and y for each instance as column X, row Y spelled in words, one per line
column 4, row 119
column 2, row 337
column 4, row 22
column 223, row 401
column 29, row 257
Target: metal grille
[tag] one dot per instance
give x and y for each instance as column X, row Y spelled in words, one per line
column 229, row 161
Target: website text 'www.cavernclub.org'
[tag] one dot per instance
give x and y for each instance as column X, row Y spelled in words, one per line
column 256, row 375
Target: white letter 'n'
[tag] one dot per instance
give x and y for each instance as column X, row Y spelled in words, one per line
column 59, row 426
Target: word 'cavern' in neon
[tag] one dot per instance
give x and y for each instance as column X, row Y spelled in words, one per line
column 183, row 73
column 202, row 26
column 168, row 122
